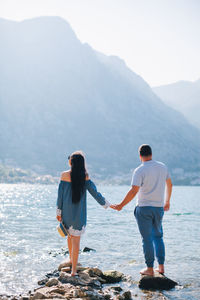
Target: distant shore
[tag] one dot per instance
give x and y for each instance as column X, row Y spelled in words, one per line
column 13, row 175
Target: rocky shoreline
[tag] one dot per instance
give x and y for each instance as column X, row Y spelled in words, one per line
column 90, row 284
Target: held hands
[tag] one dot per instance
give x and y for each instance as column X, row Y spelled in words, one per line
column 116, row 207
column 58, row 218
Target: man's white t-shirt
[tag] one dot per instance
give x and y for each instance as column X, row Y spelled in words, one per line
column 151, row 177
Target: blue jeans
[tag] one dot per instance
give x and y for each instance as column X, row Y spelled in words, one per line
column 149, row 220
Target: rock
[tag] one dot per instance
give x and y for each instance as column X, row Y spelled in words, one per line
column 127, row 295
column 93, row 295
column 83, row 280
column 119, row 297
column 107, row 296
column 80, row 269
column 56, row 296
column 64, row 265
column 38, row 295
column 51, row 282
column 66, row 269
column 112, row 276
column 57, row 290
column 55, row 273
column 116, row 288
column 42, row 282
column 87, row 249
column 157, row 282
column 93, row 272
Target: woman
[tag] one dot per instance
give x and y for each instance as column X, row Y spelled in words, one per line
column 71, row 203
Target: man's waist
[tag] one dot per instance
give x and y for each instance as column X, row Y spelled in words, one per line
column 145, row 202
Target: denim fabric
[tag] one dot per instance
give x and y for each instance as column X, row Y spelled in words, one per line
column 74, row 215
column 149, row 220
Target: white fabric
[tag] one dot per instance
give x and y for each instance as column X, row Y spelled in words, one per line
column 58, row 212
column 76, row 232
column 107, row 204
column 151, row 177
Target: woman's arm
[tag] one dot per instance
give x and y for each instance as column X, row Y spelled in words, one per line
column 59, row 202
column 91, row 187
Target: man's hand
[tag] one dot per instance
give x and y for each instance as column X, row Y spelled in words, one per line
column 168, row 194
column 58, row 218
column 166, row 206
column 116, row 207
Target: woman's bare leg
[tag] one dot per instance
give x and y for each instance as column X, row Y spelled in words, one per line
column 75, row 252
column 69, row 242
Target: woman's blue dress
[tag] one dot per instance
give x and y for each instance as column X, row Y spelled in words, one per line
column 74, row 215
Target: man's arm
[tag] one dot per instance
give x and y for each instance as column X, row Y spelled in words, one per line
column 168, row 194
column 129, row 196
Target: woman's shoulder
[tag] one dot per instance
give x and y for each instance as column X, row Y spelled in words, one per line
column 87, row 177
column 65, row 176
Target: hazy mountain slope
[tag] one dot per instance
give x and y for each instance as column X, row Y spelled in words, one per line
column 183, row 96
column 58, row 95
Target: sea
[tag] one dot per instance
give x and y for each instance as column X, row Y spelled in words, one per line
column 30, row 246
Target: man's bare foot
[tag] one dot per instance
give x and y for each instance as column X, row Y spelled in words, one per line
column 147, row 271
column 160, row 269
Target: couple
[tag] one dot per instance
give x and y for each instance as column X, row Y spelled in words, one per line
column 149, row 181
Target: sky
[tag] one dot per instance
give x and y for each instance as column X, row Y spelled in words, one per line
column 158, row 39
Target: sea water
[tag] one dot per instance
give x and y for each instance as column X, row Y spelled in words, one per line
column 30, row 246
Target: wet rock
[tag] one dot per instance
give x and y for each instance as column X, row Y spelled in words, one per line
column 24, row 297
column 54, row 273
column 93, row 295
column 66, row 269
column 56, row 296
column 64, row 265
column 87, row 249
column 127, row 295
column 119, row 297
column 66, row 278
column 107, row 296
column 57, row 290
column 93, row 272
column 67, row 265
column 43, row 281
column 157, row 282
column 116, row 288
column 51, row 282
column 112, row 276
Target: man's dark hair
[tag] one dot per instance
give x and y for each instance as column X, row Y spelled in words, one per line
column 145, row 150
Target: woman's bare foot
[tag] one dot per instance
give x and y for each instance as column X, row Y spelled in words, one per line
column 74, row 274
column 147, row 271
column 160, row 269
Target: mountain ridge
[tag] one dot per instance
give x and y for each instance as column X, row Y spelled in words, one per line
column 183, row 96
column 58, row 95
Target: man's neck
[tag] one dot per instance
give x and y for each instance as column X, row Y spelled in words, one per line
column 145, row 159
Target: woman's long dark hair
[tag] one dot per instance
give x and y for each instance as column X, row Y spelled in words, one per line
column 78, row 175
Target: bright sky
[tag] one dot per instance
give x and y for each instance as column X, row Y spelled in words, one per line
column 158, row 39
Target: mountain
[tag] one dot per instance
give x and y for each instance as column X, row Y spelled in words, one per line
column 183, row 96
column 58, row 95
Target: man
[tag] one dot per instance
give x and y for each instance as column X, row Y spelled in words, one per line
column 149, row 181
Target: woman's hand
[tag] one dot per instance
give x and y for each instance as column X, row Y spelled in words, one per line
column 58, row 218
column 116, row 207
